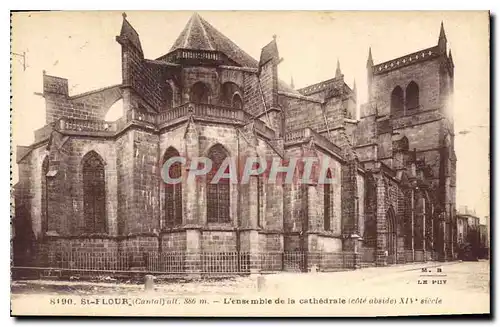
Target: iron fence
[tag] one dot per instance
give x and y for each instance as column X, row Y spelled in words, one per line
column 408, row 256
column 89, row 261
column 419, row 256
column 225, row 262
column 338, row 261
column 205, row 263
column 168, row 262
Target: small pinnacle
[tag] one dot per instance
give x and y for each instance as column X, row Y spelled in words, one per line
column 124, row 15
column 197, row 17
column 338, row 72
column 291, row 83
column 369, row 62
column 354, row 86
column 442, row 34
column 274, row 37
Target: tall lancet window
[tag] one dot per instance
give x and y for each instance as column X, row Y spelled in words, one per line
column 169, row 97
column 218, row 201
column 199, row 93
column 173, row 192
column 397, row 100
column 328, row 202
column 237, row 103
column 412, row 96
column 94, row 194
column 45, row 199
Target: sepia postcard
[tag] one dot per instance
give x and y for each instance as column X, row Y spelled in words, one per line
column 250, row 163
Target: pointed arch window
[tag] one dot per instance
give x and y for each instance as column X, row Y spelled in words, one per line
column 231, row 95
column 45, row 199
column 218, row 200
column 94, row 194
column 237, row 103
column 419, row 221
column 328, row 202
column 370, row 233
column 199, row 93
column 412, row 96
column 168, row 97
column 173, row 193
column 397, row 99
column 391, row 234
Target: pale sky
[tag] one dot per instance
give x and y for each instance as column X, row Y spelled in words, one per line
column 81, row 46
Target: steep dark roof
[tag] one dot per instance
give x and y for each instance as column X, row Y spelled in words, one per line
column 269, row 52
column 129, row 33
column 442, row 34
column 200, row 35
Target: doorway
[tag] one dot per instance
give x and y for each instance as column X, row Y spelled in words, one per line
column 391, row 236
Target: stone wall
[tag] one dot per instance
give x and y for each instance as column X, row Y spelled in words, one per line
column 90, row 105
column 425, row 74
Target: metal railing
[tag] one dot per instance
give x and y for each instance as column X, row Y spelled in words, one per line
column 169, row 262
column 419, row 256
column 293, row 261
column 408, row 255
column 87, row 261
column 207, row 263
column 68, row 263
column 337, row 261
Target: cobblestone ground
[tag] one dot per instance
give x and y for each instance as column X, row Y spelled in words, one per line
column 460, row 286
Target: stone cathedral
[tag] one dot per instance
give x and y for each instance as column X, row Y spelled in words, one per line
column 93, row 186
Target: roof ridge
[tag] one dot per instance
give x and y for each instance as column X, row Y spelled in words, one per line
column 186, row 38
column 215, row 30
column 204, row 32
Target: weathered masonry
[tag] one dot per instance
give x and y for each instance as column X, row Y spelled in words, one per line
column 90, row 187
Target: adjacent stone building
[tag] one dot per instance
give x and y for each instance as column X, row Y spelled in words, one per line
column 92, row 186
column 472, row 236
column 467, row 220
